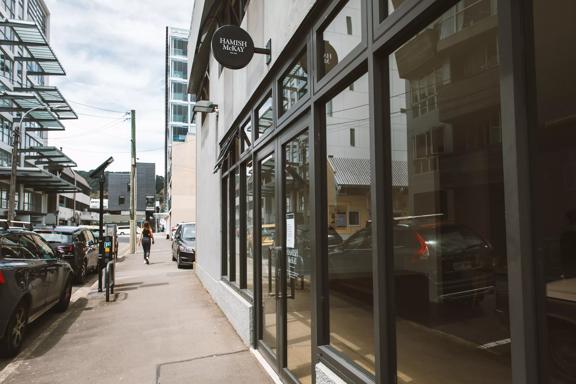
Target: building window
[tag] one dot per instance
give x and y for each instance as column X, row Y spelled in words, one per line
column 449, row 230
column 179, row 91
column 348, row 185
column 348, row 25
column 236, row 226
column 352, row 137
column 179, row 133
column 179, row 113
column 246, row 133
column 267, row 215
column 265, row 117
column 249, row 207
column 179, row 69
column 354, row 218
column 341, row 35
column 294, row 84
column 179, row 47
column 121, row 200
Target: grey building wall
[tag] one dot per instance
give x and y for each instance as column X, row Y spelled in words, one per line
column 145, row 183
column 119, row 190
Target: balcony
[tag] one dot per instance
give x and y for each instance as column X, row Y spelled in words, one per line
column 417, row 52
column 466, row 96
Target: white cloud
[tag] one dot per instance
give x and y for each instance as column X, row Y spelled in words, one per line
column 113, row 54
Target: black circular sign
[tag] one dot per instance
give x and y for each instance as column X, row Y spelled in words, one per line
column 330, row 57
column 232, row 47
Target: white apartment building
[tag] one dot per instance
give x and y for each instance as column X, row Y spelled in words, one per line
column 180, row 132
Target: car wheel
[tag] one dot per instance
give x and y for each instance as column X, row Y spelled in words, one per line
column 178, row 262
column 64, row 298
column 173, row 258
column 81, row 274
column 15, row 331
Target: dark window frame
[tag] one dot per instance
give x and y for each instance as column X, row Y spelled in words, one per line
column 382, row 36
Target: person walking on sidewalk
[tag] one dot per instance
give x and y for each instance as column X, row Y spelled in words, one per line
column 146, row 239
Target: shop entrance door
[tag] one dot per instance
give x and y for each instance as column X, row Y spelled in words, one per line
column 285, row 304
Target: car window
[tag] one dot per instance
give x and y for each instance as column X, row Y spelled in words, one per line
column 45, row 251
column 188, row 232
column 9, row 247
column 360, row 240
column 54, row 237
column 28, row 247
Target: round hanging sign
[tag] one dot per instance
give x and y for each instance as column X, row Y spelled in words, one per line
column 232, row 47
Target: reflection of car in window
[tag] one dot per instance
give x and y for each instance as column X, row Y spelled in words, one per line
column 447, row 262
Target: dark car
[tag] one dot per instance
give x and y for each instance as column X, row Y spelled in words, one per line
column 32, row 281
column 442, row 262
column 76, row 245
column 184, row 245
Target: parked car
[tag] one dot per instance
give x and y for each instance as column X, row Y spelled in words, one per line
column 173, row 230
column 184, row 245
column 32, row 281
column 76, row 245
column 123, row 230
column 440, row 262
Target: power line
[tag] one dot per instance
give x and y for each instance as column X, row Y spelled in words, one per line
column 97, row 107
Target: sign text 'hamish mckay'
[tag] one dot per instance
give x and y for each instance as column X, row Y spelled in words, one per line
column 233, row 47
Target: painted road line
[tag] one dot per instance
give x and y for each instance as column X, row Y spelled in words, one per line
column 495, row 344
column 25, row 355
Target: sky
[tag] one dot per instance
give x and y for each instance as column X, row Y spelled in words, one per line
column 113, row 54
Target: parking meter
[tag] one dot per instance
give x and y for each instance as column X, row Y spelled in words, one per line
column 106, row 256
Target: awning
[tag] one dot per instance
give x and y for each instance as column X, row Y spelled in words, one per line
column 28, row 35
column 38, row 179
column 50, row 156
column 52, row 97
column 349, row 172
column 24, row 101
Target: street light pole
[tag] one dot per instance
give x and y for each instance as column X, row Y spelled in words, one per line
column 15, row 160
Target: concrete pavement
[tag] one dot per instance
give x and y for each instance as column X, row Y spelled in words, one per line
column 161, row 327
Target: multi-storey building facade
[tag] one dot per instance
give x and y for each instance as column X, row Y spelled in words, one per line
column 180, row 132
column 119, row 187
column 26, row 61
column 396, row 188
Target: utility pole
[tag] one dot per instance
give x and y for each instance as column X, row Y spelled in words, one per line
column 133, row 185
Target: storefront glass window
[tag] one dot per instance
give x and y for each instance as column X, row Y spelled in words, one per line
column 341, row 36
column 246, row 134
column 237, row 225
column 449, row 230
column 249, row 179
column 294, row 84
column 224, row 198
column 269, row 254
column 265, row 117
column 298, row 257
column 555, row 183
column 350, row 244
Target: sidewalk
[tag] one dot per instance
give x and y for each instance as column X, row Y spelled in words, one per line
column 162, row 327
